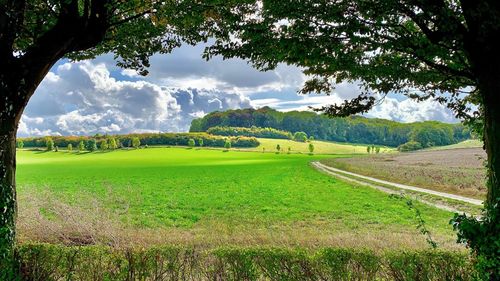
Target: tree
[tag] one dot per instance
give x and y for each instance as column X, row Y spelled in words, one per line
column 20, row 144
column 136, row 142
column 103, row 145
column 442, row 50
column 112, row 143
column 49, row 144
column 300, row 136
column 200, row 142
column 35, row 34
column 311, row 148
column 56, row 148
column 311, row 138
column 278, row 148
column 81, row 146
column 191, row 143
column 289, row 150
column 91, row 145
column 377, row 149
column 368, row 149
column 227, row 144
column 69, row 147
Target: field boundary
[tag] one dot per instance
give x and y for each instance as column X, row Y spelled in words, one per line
column 392, row 188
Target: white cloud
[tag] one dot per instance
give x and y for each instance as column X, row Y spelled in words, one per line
column 86, row 99
column 411, row 111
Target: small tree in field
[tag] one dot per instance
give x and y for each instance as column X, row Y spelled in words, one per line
column 49, row 143
column 373, row 149
column 91, row 145
column 56, row 148
column 191, row 143
column 136, row 142
column 103, row 145
column 70, row 147
column 227, row 144
column 112, row 144
column 278, row 148
column 81, row 146
column 368, row 149
column 20, row 144
column 300, row 136
column 311, row 138
column 289, row 150
column 311, row 148
column 377, row 150
column 200, row 142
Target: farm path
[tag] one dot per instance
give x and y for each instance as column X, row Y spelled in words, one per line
column 369, row 181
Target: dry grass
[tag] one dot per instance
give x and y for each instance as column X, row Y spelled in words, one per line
column 457, row 171
column 43, row 218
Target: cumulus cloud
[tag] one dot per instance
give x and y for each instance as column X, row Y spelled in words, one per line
column 83, row 98
column 412, row 111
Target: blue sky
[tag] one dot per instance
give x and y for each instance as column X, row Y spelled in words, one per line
column 95, row 96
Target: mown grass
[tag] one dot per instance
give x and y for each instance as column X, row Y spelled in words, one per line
column 209, row 197
column 463, row 144
column 320, row 147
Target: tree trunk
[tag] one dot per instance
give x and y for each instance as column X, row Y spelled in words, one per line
column 18, row 82
column 8, row 203
column 492, row 145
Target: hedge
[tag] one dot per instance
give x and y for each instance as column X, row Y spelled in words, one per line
column 53, row 262
column 146, row 139
column 257, row 132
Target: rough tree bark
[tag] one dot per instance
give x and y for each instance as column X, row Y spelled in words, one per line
column 17, row 85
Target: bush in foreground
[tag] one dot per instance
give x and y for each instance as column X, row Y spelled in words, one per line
column 52, row 262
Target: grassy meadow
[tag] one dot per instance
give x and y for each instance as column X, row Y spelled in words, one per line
column 208, row 197
column 320, row 147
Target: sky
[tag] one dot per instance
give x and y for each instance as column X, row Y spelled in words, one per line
column 95, row 96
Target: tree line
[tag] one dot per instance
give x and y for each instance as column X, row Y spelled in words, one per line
column 354, row 129
column 104, row 142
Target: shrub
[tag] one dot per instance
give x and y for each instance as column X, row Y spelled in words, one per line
column 56, row 148
column 49, row 144
column 70, row 147
column 20, row 144
column 200, row 142
column 55, row 262
column 91, row 145
column 104, row 145
column 81, row 146
column 278, row 148
column 136, row 142
column 377, row 150
column 227, row 144
column 300, row 136
column 368, row 149
column 112, row 143
column 191, row 143
column 409, row 146
column 311, row 148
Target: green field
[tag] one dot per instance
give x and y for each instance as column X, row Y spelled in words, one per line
column 320, row 147
column 208, row 197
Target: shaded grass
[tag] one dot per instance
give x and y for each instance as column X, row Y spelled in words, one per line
column 175, row 195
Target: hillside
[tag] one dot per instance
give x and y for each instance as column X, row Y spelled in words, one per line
column 355, row 129
column 320, row 147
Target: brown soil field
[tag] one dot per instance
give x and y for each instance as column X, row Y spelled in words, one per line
column 458, row 171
